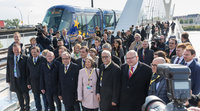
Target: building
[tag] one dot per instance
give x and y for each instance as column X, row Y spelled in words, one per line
column 189, row 19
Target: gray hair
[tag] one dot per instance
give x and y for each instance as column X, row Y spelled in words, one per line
column 107, row 52
column 107, row 46
column 66, row 53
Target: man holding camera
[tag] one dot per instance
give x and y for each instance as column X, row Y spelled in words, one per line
column 158, row 85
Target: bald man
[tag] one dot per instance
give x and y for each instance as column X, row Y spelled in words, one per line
column 158, row 85
column 135, row 81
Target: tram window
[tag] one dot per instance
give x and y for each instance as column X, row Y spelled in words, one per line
column 90, row 22
column 66, row 20
column 109, row 20
column 84, row 27
column 97, row 20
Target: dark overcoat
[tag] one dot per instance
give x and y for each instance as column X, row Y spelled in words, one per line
column 110, row 88
column 10, row 73
column 134, row 90
column 68, row 83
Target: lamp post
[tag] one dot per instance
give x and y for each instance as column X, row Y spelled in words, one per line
column 92, row 3
column 28, row 17
column 20, row 14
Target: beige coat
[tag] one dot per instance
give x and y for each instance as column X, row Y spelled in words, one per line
column 135, row 46
column 87, row 96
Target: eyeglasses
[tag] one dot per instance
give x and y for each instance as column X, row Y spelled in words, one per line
column 131, row 57
column 154, row 65
column 65, row 58
column 104, row 57
column 171, row 43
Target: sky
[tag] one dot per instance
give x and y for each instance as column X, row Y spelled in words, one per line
column 36, row 9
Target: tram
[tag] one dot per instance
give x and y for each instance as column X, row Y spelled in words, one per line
column 80, row 21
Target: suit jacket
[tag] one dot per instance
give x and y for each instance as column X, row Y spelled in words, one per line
column 45, row 42
column 80, row 63
column 172, row 54
column 67, row 43
column 134, row 90
column 148, row 56
column 10, row 74
column 33, row 73
column 109, row 86
column 49, row 77
column 161, row 91
column 173, row 59
column 68, row 83
column 195, row 77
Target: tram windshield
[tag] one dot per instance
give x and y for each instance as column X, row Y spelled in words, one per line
column 57, row 19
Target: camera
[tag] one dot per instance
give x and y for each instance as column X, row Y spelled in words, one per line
column 39, row 29
column 178, row 89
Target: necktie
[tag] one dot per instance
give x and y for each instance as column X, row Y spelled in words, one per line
column 170, row 52
column 83, row 65
column 65, row 69
column 130, row 72
column 34, row 60
column 185, row 64
column 143, row 54
column 177, row 60
column 17, row 71
column 16, row 59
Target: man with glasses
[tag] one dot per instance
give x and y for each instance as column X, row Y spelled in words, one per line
column 158, row 85
column 172, row 48
column 135, row 81
column 108, row 83
column 68, row 80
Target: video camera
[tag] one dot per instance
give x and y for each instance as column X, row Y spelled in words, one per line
column 178, row 89
column 39, row 29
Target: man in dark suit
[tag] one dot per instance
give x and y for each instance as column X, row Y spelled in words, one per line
column 194, row 66
column 66, row 40
column 68, row 79
column 172, row 48
column 84, row 53
column 49, row 81
column 145, row 54
column 97, row 45
column 34, row 63
column 135, row 81
column 178, row 58
column 55, row 40
column 158, row 84
column 114, row 58
column 108, row 83
column 16, row 76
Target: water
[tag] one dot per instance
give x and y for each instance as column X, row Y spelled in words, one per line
column 7, row 42
column 195, row 40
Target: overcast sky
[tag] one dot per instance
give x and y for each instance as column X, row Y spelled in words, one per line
column 39, row 7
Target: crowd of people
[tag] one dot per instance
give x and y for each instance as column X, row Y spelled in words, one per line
column 105, row 72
